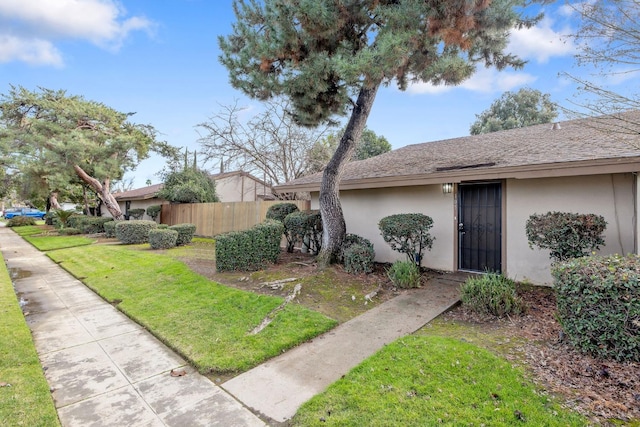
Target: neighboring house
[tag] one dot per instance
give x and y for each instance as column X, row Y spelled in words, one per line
column 140, row 198
column 480, row 190
column 241, row 186
column 230, row 187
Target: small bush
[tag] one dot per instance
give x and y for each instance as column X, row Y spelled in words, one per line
column 249, row 250
column 110, row 228
column 408, row 234
column 185, row 233
column 76, row 221
column 306, row 226
column 279, row 212
column 95, row 224
column 598, row 302
column 567, row 235
column 69, row 231
column 491, row 293
column 136, row 213
column 162, row 238
column 19, row 221
column 49, row 218
column 163, row 226
column 154, row 211
column 404, row 274
column 134, row 231
column 61, row 216
column 358, row 258
column 352, row 239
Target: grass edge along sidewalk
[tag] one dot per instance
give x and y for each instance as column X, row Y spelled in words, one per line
column 208, row 323
column 25, row 398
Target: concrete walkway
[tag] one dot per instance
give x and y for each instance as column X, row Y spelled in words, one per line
column 105, row 370
column 277, row 388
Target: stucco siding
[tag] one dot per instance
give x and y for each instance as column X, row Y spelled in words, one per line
column 239, row 188
column 363, row 209
column 611, row 196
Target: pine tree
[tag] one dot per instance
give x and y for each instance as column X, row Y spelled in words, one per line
column 329, row 58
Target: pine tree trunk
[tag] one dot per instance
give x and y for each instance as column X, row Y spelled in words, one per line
column 103, row 191
column 333, row 225
column 53, row 200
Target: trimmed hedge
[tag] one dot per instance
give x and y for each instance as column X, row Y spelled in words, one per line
column 19, row 221
column 76, row 221
column 95, row 224
column 358, row 258
column 136, row 213
column 185, row 233
column 110, row 228
column 279, row 212
column 154, row 211
column 567, row 235
column 134, row 231
column 162, row 238
column 598, row 302
column 491, row 293
column 306, row 226
column 249, row 250
column 408, row 234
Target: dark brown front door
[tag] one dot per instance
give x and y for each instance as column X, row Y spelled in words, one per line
column 479, row 227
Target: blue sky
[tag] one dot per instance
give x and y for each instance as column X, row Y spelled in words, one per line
column 159, row 58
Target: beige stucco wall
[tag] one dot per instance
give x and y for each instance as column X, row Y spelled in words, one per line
column 608, row 195
column 238, row 188
column 363, row 209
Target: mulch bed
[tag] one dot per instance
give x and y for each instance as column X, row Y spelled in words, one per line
column 603, row 390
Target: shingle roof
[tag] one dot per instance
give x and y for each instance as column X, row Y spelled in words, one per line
column 139, row 193
column 580, row 143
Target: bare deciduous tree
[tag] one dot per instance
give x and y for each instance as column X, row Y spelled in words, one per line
column 269, row 145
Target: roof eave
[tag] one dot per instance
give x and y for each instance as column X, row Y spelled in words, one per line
column 544, row 170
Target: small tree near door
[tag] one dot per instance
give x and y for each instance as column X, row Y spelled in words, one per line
column 408, row 234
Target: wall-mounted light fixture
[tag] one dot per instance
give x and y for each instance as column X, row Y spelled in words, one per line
column 447, row 188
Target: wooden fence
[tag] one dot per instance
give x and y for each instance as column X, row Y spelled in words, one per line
column 212, row 219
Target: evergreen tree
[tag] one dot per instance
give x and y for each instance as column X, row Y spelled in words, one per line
column 329, row 58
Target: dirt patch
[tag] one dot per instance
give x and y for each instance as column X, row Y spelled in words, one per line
column 602, row 390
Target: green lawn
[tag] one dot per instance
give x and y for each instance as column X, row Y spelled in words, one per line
column 33, row 235
column 206, row 322
column 431, row 381
column 25, row 399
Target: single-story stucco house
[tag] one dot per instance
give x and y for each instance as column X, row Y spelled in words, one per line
column 480, row 190
column 237, row 186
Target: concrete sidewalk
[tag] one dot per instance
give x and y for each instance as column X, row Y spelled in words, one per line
column 277, row 388
column 106, row 370
column 103, row 368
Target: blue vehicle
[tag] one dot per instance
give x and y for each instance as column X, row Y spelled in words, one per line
column 28, row 212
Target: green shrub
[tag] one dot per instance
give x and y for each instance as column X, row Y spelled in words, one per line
column 185, row 233
column 408, row 234
column 154, row 211
column 306, row 226
column 162, row 238
column 358, row 258
column 136, row 213
column 567, row 235
column 76, row 221
column 134, row 231
column 598, row 302
column 352, row 239
column 491, row 293
column 62, row 216
column 404, row 274
column 110, row 228
column 163, row 226
column 49, row 218
column 95, row 224
column 279, row 212
column 69, row 231
column 19, row 221
column 249, row 250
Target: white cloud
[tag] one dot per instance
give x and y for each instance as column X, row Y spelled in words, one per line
column 485, row 80
column 101, row 22
column 31, row 51
column 540, row 42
